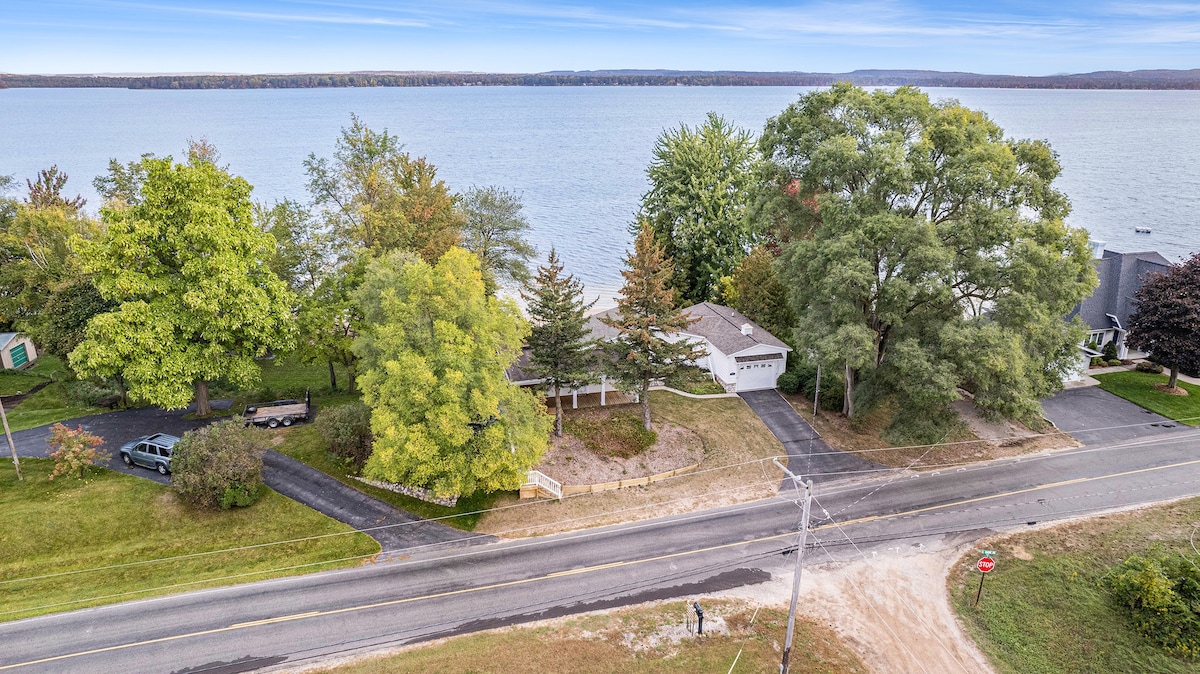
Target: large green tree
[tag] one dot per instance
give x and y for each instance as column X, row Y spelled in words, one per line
column 196, row 299
column 434, row 349
column 755, row 290
column 1166, row 323
column 376, row 196
column 701, row 185
column 648, row 346
column 494, row 229
column 925, row 251
column 561, row 350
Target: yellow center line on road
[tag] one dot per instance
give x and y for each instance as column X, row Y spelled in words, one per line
column 590, row 569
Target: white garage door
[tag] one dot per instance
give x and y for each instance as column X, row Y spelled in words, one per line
column 756, row 375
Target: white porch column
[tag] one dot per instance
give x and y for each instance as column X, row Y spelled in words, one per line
column 574, row 399
column 602, row 390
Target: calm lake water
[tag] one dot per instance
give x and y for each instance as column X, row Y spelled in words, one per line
column 578, row 155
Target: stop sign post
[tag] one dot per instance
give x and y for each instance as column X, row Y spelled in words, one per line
column 985, row 565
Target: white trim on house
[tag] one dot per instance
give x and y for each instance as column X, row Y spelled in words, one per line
column 9, row 341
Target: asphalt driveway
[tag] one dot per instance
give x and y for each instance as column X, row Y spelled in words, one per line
column 808, row 455
column 284, row 474
column 1094, row 416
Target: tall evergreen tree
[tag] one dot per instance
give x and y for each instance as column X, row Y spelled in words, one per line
column 647, row 319
column 494, row 229
column 1166, row 322
column 560, row 350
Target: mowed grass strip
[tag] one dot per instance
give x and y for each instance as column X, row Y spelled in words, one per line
column 1044, row 610
column 737, row 449
column 48, row 406
column 1138, row 388
column 648, row 639
column 306, row 445
column 68, row 524
column 44, row 369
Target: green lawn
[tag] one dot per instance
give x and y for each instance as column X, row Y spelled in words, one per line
column 1138, row 388
column 646, row 639
column 110, row 519
column 45, row 368
column 305, row 444
column 1050, row 615
column 47, row 406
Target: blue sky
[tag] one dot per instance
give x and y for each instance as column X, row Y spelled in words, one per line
column 257, row 36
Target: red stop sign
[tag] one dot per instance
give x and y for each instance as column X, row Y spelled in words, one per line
column 985, row 564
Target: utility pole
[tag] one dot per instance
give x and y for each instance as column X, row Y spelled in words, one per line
column 816, row 396
column 791, row 626
column 11, row 446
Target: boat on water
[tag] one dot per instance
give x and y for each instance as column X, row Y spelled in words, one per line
column 1141, row 230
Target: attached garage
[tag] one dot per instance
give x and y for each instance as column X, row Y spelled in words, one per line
column 755, row 373
column 16, row 351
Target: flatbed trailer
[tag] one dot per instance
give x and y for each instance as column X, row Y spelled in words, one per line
column 278, row 412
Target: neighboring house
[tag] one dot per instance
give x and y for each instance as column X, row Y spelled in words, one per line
column 741, row 355
column 15, row 350
column 1107, row 311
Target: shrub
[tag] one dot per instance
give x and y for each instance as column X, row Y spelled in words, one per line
column 220, row 465
column 1161, row 592
column 788, row 382
column 1110, row 351
column 347, row 431
column 1097, row 361
column 1147, row 366
column 74, row 451
column 1114, row 362
column 88, row 393
column 832, row 386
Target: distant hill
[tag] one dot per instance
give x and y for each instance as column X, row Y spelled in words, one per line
column 1108, row 79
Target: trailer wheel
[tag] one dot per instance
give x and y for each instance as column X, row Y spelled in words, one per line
column 287, row 421
column 272, row 423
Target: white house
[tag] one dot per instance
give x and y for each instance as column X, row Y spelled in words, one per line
column 15, row 350
column 740, row 355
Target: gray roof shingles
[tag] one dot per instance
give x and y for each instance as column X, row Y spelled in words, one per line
column 1121, row 275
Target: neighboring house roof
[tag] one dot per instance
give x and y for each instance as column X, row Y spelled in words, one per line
column 721, row 326
column 1121, row 275
column 518, row 372
column 6, row 337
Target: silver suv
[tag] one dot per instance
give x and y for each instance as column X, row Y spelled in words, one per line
column 151, row 451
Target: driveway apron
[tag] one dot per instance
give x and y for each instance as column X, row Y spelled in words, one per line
column 1094, row 416
column 808, row 455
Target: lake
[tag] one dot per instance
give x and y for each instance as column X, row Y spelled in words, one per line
column 578, row 155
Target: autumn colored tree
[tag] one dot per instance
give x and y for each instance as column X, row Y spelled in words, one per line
column 648, row 346
column 189, row 272
column 74, row 451
column 376, row 196
column 1166, row 322
column 561, row 350
column 434, row 349
column 46, row 192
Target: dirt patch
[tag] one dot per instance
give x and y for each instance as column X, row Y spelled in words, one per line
column 735, row 466
column 572, row 463
column 979, row 441
column 1170, row 390
column 890, row 608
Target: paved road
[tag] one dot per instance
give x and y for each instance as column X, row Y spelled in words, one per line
column 808, row 454
column 435, row 592
column 283, row 474
column 1094, row 416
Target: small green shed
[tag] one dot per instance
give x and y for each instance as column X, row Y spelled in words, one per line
column 16, row 350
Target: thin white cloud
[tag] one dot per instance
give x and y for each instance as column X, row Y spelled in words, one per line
column 1153, row 9
column 335, row 19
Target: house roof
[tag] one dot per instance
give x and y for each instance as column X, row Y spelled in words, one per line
column 722, row 327
column 6, row 337
column 518, row 372
column 1121, row 275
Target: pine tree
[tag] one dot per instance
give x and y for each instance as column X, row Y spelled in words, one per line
column 560, row 351
column 647, row 319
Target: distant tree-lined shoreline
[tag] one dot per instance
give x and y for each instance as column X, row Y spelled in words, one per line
column 1138, row 79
